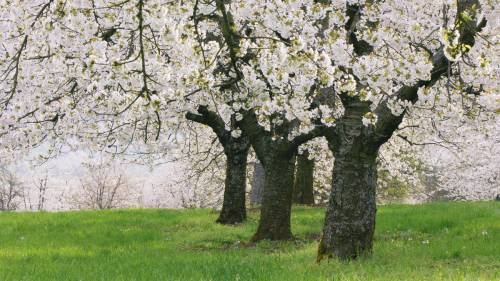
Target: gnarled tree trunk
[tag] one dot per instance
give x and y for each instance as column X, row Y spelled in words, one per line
column 303, row 191
column 350, row 216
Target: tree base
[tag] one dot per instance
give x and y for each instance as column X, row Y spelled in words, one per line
column 276, row 207
column 345, row 248
column 231, row 220
column 260, row 236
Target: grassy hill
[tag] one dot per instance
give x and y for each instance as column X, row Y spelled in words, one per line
column 445, row 241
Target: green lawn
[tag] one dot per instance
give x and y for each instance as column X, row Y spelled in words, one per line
column 442, row 241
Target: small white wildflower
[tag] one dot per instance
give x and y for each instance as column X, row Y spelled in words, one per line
column 484, row 233
column 425, row 242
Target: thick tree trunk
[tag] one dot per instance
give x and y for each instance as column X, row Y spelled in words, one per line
column 303, row 192
column 257, row 184
column 277, row 153
column 277, row 200
column 233, row 207
column 350, row 217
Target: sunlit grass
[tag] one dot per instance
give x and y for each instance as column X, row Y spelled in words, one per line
column 442, row 241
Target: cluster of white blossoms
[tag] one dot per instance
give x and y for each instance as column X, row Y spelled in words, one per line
column 99, row 72
column 119, row 74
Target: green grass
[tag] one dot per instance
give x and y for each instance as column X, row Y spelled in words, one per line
column 442, row 241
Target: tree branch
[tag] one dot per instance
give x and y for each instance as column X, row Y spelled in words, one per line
column 212, row 120
column 387, row 122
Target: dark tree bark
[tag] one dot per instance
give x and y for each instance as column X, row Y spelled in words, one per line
column 257, row 184
column 236, row 151
column 277, row 155
column 273, row 149
column 234, row 207
column 350, row 218
column 303, row 191
column 277, row 199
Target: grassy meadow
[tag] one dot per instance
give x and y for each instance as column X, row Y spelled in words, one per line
column 439, row 241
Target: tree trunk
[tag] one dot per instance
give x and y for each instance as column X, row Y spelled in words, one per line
column 257, row 184
column 350, row 216
column 236, row 151
column 277, row 200
column 303, row 192
column 277, row 153
column 233, row 206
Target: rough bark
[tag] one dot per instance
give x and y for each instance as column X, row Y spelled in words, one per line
column 303, row 192
column 257, row 184
column 350, row 217
column 276, row 206
column 233, row 207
